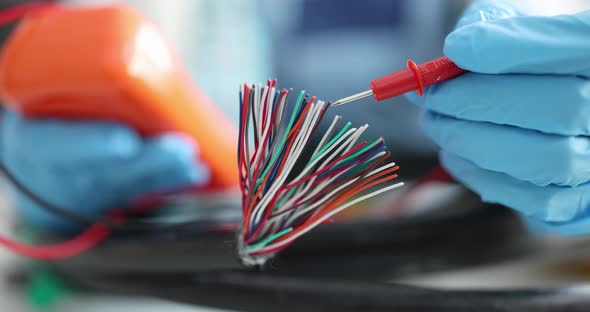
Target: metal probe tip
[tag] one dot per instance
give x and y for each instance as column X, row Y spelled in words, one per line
column 352, row 98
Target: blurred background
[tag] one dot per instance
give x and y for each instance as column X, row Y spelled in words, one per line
column 331, row 48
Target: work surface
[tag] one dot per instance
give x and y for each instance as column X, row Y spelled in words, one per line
column 559, row 265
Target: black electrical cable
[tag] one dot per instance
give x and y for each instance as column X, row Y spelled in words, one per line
column 364, row 249
column 316, row 272
column 85, row 220
column 255, row 291
column 54, row 209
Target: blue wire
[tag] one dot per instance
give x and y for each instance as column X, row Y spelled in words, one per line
column 274, row 104
column 274, row 171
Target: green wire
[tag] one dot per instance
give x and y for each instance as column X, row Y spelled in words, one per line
column 280, row 147
column 282, row 201
column 359, row 152
column 334, row 139
column 271, row 238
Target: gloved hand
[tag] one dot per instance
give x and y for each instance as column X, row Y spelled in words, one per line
column 91, row 167
column 516, row 130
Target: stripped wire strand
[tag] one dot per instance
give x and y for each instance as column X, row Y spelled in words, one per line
column 292, row 183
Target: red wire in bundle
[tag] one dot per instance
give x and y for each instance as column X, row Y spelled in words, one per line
column 243, row 139
column 265, row 106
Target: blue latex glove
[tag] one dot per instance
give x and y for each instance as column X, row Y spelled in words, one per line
column 90, row 167
column 516, row 129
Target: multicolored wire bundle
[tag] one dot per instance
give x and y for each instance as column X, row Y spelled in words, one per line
column 291, row 185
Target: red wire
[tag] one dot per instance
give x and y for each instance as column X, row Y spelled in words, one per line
column 17, row 12
column 86, row 240
column 75, row 246
column 244, row 135
column 265, row 109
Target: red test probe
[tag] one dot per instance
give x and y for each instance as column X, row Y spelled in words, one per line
column 413, row 78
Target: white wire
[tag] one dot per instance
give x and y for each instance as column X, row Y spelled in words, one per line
column 326, row 135
column 358, row 135
column 280, row 133
column 246, row 141
column 255, row 105
column 279, row 110
column 270, row 98
column 259, row 103
column 264, row 92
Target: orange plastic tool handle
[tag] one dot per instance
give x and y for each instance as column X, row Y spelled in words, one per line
column 110, row 63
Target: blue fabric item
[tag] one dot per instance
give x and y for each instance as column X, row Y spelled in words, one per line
column 90, row 167
column 516, row 130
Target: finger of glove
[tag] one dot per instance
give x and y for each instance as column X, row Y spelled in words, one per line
column 527, row 155
column 416, row 99
column 523, row 44
column 547, row 103
column 487, row 10
column 166, row 162
column 66, row 142
column 578, row 227
column 51, row 186
column 550, row 203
